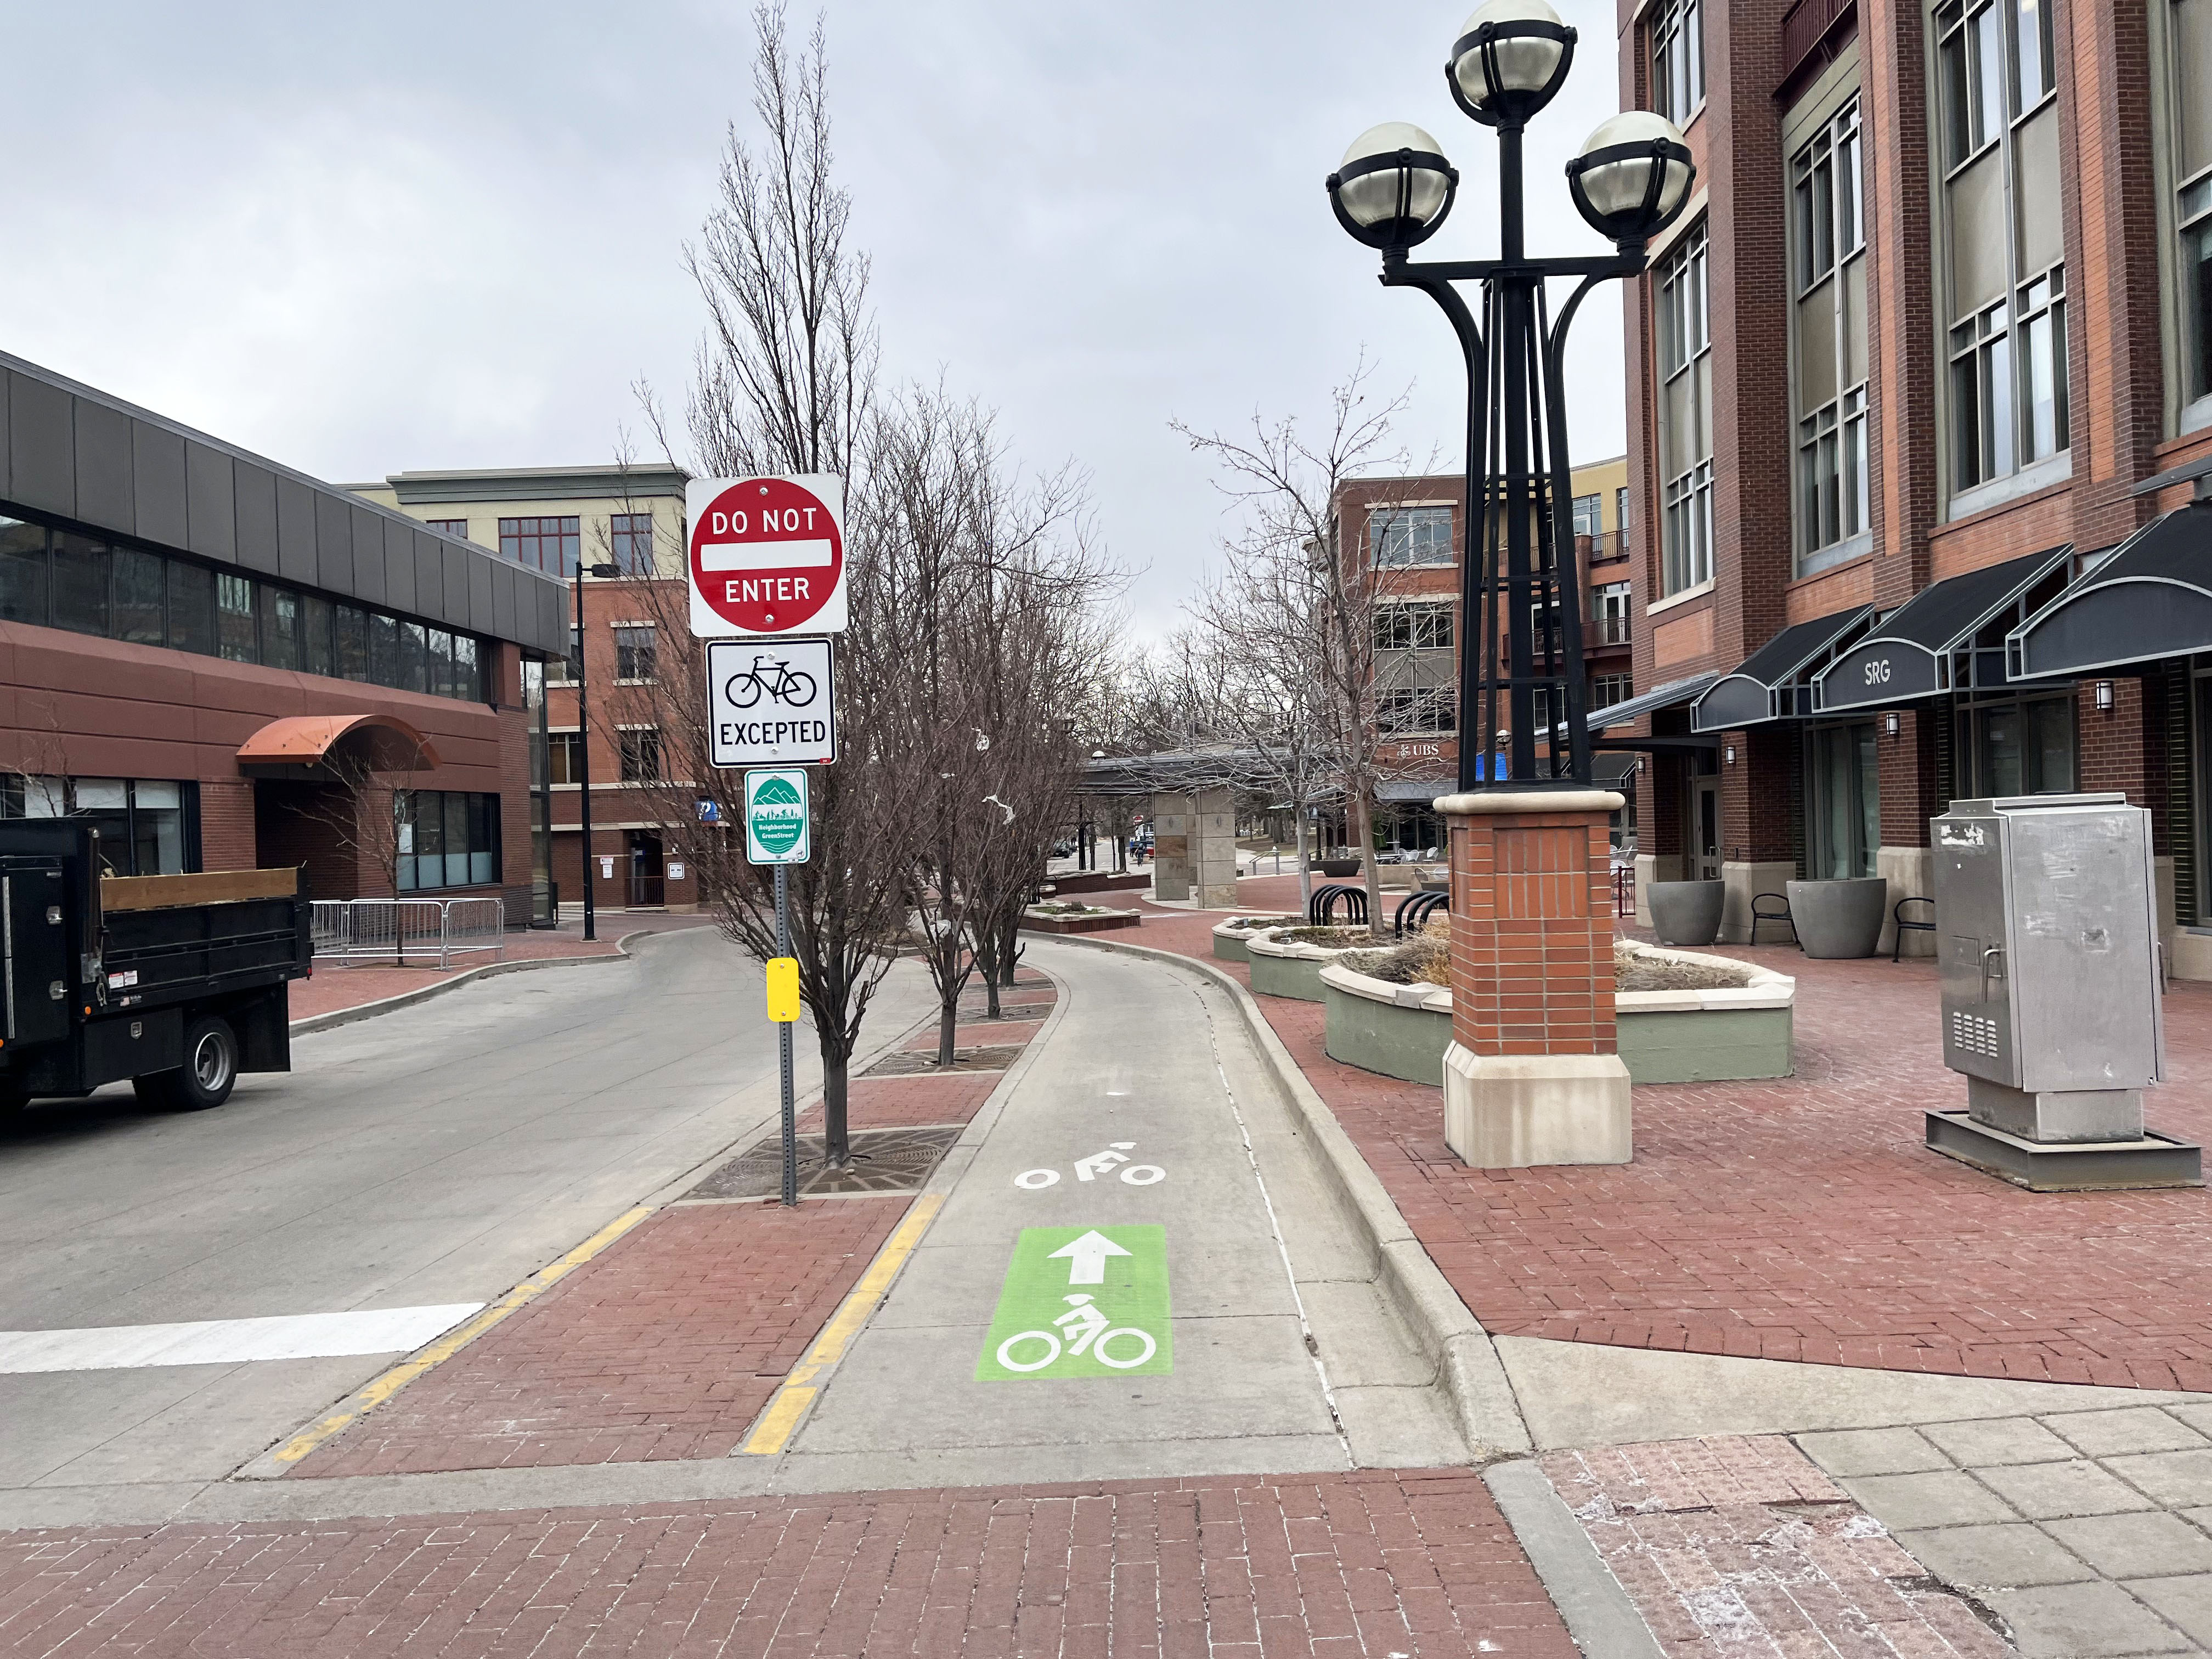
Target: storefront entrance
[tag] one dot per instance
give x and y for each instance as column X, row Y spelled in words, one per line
column 1704, row 836
column 649, row 888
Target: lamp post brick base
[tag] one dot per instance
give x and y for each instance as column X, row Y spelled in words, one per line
column 1531, row 1076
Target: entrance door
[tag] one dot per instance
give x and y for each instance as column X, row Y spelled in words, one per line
column 647, row 888
column 1704, row 828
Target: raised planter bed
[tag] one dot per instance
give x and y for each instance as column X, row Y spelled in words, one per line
column 1231, row 937
column 1707, row 1036
column 1399, row 1030
column 1292, row 967
column 1097, row 881
column 1077, row 919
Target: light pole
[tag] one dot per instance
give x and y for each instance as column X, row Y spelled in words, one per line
column 584, row 751
column 1393, row 191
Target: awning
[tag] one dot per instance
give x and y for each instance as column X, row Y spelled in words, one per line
column 1775, row 682
column 1629, row 710
column 1939, row 640
column 2152, row 597
column 300, row 745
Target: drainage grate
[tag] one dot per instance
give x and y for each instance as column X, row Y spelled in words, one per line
column 884, row 1161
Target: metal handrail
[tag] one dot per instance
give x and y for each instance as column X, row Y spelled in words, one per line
column 351, row 932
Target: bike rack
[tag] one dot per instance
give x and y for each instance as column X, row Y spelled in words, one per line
column 1322, row 906
column 1415, row 909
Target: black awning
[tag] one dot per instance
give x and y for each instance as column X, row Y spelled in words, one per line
column 1929, row 644
column 1629, row 710
column 1774, row 682
column 2152, row 597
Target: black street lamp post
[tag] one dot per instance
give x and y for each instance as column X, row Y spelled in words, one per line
column 1631, row 179
column 584, row 752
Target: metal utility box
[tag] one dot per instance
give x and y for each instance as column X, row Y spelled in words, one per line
column 2047, row 955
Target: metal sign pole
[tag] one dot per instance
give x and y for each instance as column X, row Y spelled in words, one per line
column 783, row 1044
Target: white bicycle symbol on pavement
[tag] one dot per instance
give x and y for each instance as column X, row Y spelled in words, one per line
column 1087, row 1328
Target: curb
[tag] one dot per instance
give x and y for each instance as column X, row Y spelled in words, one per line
column 1598, row 1612
column 338, row 1017
column 1468, row 1366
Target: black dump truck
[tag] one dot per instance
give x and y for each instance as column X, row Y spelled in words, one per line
column 176, row 982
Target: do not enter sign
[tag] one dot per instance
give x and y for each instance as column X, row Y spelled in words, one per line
column 767, row 555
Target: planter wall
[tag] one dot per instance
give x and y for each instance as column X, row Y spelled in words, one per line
column 1839, row 918
column 1033, row 923
column 1230, row 943
column 1289, row 970
column 1708, row 1036
column 1397, row 1030
column 1686, row 912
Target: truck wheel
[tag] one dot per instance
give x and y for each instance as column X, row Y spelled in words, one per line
column 206, row 1078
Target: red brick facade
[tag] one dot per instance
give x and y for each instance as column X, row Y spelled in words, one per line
column 1532, row 932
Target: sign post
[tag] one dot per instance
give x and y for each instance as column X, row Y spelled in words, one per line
column 778, row 832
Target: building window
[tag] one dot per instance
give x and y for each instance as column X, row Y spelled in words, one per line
column 447, row 839
column 631, row 534
column 1685, row 421
column 1413, row 627
column 1416, row 710
column 641, row 754
column 1843, row 801
column 458, row 528
column 567, row 757
column 1410, row 535
column 553, row 545
column 2189, row 50
column 634, row 648
column 56, row 578
column 2017, row 746
column 148, row 826
column 2004, row 276
column 1620, row 517
column 1609, row 615
column 1678, row 59
column 1828, row 230
column 1589, row 515
column 1607, row 690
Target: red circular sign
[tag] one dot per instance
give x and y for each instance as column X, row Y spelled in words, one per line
column 766, row 556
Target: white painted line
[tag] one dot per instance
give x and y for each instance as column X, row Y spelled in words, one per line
column 227, row 1341
column 765, row 555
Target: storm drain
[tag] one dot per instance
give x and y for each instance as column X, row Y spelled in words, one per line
column 884, row 1161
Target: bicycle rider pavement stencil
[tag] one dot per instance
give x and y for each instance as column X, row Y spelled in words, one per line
column 1081, row 1302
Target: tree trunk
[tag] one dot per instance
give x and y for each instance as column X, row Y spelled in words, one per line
column 1010, row 952
column 948, row 1023
column 1362, row 828
column 1305, row 872
column 836, row 1060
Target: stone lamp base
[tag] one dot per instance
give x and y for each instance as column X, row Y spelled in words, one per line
column 1514, row 1111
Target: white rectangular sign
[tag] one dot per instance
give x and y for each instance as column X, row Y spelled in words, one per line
column 770, row 701
column 765, row 557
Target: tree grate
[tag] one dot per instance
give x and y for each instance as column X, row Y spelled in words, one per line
column 884, row 1161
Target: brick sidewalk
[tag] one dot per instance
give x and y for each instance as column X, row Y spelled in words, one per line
column 1802, row 1218
column 1419, row 1564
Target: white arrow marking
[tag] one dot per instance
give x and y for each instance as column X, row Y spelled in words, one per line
column 1086, row 1257
column 1126, row 1146
column 1090, row 1168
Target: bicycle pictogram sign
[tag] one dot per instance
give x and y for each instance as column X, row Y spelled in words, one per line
column 1081, row 1302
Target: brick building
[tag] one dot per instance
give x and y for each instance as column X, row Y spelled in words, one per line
column 1976, row 232
column 623, row 527
column 226, row 664
column 1407, row 536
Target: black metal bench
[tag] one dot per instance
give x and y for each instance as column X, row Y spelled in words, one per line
column 1897, row 915
column 1781, row 916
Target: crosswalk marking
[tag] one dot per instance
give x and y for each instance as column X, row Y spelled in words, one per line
column 228, row 1341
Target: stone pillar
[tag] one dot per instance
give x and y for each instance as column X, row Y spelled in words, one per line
column 1213, row 850
column 1531, row 1076
column 1171, row 839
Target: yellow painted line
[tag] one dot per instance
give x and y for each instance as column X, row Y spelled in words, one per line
column 383, row 1387
column 789, row 1403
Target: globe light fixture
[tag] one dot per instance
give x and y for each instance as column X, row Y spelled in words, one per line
column 1393, row 187
column 1633, row 176
column 1510, row 57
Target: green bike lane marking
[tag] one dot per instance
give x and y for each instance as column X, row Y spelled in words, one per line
column 1081, row 1302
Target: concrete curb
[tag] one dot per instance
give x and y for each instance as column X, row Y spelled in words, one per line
column 1599, row 1614
column 338, row 1017
column 1467, row 1366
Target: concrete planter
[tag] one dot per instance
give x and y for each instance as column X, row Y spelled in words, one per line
column 1284, row 969
column 1398, row 1030
column 1686, row 912
column 1708, row 1036
column 1229, row 939
column 1837, row 919
column 1093, row 922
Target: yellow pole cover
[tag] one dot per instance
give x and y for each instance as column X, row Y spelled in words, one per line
column 783, row 989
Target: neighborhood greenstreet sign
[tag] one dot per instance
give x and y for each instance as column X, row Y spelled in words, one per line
column 776, row 828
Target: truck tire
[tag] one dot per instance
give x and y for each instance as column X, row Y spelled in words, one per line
column 206, row 1078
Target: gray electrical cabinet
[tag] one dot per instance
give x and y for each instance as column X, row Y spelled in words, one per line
column 2047, row 954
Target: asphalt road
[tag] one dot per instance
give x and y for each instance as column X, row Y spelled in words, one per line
column 432, row 1156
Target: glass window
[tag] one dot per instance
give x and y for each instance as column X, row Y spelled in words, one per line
column 2020, row 746
column 1606, row 689
column 191, row 608
column 234, row 618
column 140, row 617
column 315, row 635
column 1410, row 535
column 1686, row 425
column 1589, row 515
column 1678, row 59
column 468, row 670
column 2189, row 38
column 1843, row 795
column 1830, row 378
column 550, row 544
column 438, row 650
column 81, row 569
column 157, row 827
column 641, row 754
column 567, row 757
column 280, row 627
column 414, row 658
column 631, row 534
column 1413, row 628
column 23, row 571
column 633, row 649
column 383, row 649
column 447, row 839
column 350, row 641
column 458, row 528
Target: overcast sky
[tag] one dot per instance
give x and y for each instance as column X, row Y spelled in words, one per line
column 369, row 238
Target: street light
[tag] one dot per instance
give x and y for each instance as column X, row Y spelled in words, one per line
column 584, row 751
column 1393, row 191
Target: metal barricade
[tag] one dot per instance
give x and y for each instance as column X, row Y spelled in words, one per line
column 407, row 932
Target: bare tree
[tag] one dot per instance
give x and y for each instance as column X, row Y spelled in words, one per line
column 1290, row 553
